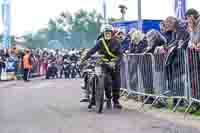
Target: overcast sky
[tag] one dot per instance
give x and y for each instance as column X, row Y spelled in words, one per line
column 30, row 15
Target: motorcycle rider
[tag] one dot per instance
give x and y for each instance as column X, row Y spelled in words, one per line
column 65, row 60
column 111, row 49
column 74, row 57
column 66, row 68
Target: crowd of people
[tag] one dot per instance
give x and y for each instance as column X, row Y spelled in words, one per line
column 175, row 36
column 173, row 32
column 24, row 63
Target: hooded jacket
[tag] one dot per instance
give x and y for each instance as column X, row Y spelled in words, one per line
column 155, row 39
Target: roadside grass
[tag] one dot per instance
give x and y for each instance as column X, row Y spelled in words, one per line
column 182, row 108
column 169, row 101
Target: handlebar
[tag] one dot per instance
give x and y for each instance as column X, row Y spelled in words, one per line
column 97, row 56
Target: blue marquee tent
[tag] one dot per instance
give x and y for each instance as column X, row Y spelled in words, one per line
column 146, row 25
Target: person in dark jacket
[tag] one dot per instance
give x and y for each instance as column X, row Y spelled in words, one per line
column 164, row 32
column 111, row 49
column 178, row 29
column 193, row 22
column 155, row 40
column 175, row 62
column 2, row 65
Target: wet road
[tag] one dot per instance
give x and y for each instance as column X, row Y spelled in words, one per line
column 52, row 106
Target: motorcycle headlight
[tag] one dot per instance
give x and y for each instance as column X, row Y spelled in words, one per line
column 98, row 69
column 89, row 70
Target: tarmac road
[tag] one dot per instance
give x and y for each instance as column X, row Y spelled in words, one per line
column 52, row 106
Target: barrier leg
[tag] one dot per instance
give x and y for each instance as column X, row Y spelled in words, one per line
column 188, row 108
column 164, row 102
column 145, row 101
column 157, row 98
column 178, row 103
column 122, row 92
column 128, row 95
column 188, row 103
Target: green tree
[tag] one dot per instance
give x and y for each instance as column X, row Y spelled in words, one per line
column 84, row 27
column 12, row 38
column 76, row 30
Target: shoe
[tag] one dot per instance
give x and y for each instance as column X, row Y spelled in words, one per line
column 108, row 104
column 84, row 100
column 90, row 105
column 117, row 105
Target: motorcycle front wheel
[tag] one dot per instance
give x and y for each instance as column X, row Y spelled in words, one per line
column 99, row 93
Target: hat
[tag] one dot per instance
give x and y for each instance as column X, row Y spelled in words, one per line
column 191, row 12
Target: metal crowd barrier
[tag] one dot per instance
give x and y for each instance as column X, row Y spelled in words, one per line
column 37, row 70
column 145, row 77
column 162, row 76
column 193, row 61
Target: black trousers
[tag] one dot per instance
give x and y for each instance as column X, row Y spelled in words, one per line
column 112, row 82
column 26, row 74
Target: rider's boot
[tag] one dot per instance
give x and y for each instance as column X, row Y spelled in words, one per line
column 92, row 103
column 117, row 105
column 109, row 97
column 116, row 97
column 84, row 100
column 108, row 104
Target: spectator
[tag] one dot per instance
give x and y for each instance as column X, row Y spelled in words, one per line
column 165, row 33
column 2, row 65
column 174, row 66
column 178, row 31
column 155, row 41
column 27, row 64
column 138, row 42
column 193, row 21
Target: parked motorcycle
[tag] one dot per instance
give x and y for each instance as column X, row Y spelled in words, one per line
column 52, row 71
column 66, row 68
column 74, row 69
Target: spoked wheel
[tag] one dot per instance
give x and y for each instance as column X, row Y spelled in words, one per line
column 66, row 75
column 99, row 94
column 91, row 91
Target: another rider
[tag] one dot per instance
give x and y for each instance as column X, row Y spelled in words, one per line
column 73, row 56
column 110, row 47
